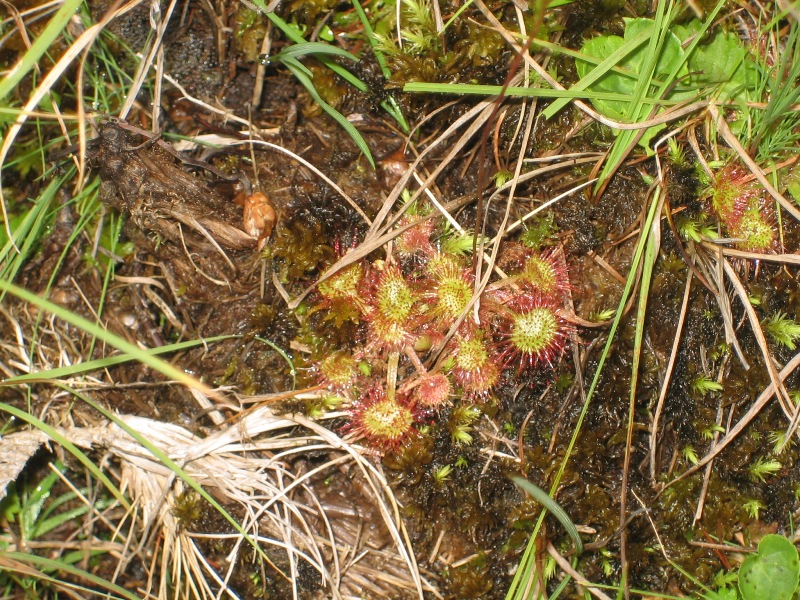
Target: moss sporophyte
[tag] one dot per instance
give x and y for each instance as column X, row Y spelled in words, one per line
column 412, row 314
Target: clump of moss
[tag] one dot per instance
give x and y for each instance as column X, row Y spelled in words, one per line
column 296, row 250
column 469, row 580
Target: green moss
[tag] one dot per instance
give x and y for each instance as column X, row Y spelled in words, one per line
column 539, row 231
column 297, row 251
column 189, row 509
column 411, row 459
column 469, row 580
column 250, row 29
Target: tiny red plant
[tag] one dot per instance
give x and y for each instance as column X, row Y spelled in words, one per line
column 546, row 273
column 382, row 422
column 742, row 207
column 433, row 391
column 756, row 228
column 416, row 240
column 390, row 311
column 338, row 371
column 533, row 332
column 449, row 289
column 340, row 295
column 730, row 193
column 476, row 366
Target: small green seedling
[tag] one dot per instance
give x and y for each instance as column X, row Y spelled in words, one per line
column 763, row 468
column 696, row 229
column 690, row 454
column 753, row 508
column 772, row 573
column 602, row 315
column 709, row 432
column 782, row 329
column 442, row 474
column 461, row 424
column 721, row 67
column 703, row 385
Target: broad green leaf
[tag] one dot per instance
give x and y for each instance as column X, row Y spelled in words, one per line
column 625, row 79
column 602, row 47
column 772, row 573
column 725, row 61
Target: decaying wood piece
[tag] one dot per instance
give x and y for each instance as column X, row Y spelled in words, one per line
column 141, row 179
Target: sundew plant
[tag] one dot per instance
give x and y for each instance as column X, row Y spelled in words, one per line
column 399, row 299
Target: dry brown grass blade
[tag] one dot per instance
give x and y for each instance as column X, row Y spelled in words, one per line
column 146, row 64
column 226, row 114
column 249, row 464
column 544, row 205
column 477, row 116
column 15, row 451
column 784, row 259
column 714, row 275
column 227, row 461
column 579, row 579
column 755, row 325
column 701, row 502
column 662, row 396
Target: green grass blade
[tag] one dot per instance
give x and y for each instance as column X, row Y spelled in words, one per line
column 390, row 104
column 371, row 38
column 542, row 498
column 41, row 44
column 29, row 231
column 523, row 92
column 110, row 361
column 58, row 566
column 390, row 107
column 291, row 33
column 34, row 504
column 47, row 525
column 653, row 243
column 636, row 110
column 70, row 447
column 106, row 336
column 292, row 65
column 393, row 110
column 315, row 48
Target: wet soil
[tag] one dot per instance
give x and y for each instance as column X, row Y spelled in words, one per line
column 193, row 271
